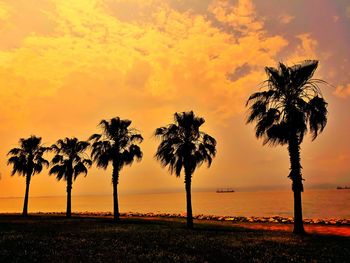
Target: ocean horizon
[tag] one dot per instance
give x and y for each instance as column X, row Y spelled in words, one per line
column 317, row 203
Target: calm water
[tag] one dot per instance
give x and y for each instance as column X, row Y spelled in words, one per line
column 316, row 203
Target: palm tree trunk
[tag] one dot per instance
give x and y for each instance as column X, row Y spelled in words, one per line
column 298, row 215
column 188, row 200
column 115, row 178
column 26, row 196
column 69, row 197
column 297, row 184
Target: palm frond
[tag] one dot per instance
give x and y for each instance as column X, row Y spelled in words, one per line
column 301, row 73
column 79, row 168
column 59, row 170
column 95, row 137
column 136, row 138
column 14, row 151
column 317, row 116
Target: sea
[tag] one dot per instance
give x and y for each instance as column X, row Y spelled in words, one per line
column 322, row 204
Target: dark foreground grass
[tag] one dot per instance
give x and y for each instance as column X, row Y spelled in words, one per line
column 84, row 239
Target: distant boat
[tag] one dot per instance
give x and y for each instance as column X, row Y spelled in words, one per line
column 225, row 190
column 342, row 188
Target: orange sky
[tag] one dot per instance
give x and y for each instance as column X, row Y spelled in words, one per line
column 65, row 65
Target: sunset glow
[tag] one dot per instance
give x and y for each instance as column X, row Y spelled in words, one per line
column 66, row 65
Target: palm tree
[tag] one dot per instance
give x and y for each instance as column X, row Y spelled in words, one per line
column 183, row 145
column 116, row 145
column 69, row 161
column 28, row 160
column 291, row 105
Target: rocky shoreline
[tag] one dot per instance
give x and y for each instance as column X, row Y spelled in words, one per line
column 233, row 219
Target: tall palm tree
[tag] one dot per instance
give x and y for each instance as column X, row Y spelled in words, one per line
column 28, row 160
column 116, row 145
column 183, row 145
column 69, row 161
column 291, row 105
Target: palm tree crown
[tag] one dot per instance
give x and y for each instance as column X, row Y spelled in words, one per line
column 291, row 105
column 183, row 145
column 70, row 159
column 117, row 144
column 28, row 158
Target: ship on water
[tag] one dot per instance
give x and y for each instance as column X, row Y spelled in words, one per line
column 225, row 190
column 343, row 187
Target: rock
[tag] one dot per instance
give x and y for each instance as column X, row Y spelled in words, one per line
column 308, row 221
column 344, row 222
column 183, row 215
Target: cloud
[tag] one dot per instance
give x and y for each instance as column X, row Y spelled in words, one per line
column 97, row 59
column 24, row 18
column 4, row 15
column 4, row 11
column 306, row 49
column 171, row 56
column 286, row 19
column 342, row 91
column 239, row 72
column 241, row 17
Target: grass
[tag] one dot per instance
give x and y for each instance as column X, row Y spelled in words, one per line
column 87, row 239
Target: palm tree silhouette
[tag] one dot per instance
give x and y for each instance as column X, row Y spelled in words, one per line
column 69, row 161
column 291, row 105
column 116, row 145
column 183, row 145
column 28, row 160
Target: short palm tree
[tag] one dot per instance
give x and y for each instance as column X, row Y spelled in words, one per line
column 291, row 105
column 116, row 145
column 69, row 161
column 28, row 160
column 184, row 146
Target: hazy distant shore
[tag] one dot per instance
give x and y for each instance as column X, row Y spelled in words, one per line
column 233, row 219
